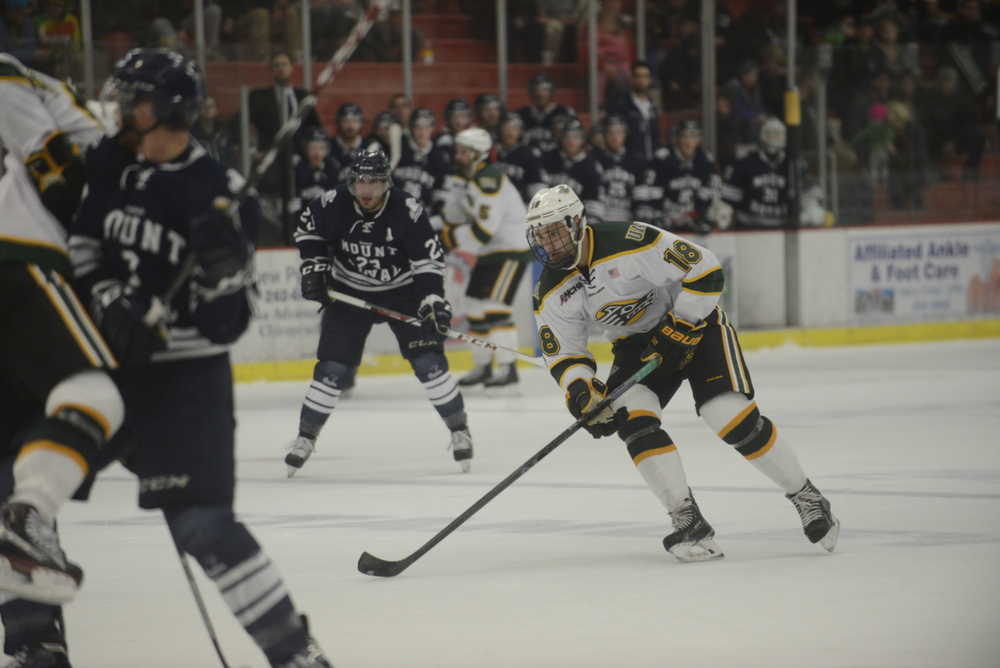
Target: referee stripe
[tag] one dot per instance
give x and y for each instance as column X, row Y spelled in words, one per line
column 89, row 328
column 67, row 316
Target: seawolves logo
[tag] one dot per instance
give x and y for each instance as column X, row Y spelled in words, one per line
column 619, row 314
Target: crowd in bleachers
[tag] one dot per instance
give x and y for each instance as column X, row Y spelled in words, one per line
column 910, row 84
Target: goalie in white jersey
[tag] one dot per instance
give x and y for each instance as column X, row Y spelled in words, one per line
column 59, row 407
column 653, row 292
column 484, row 215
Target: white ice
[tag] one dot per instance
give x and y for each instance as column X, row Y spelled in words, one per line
column 565, row 568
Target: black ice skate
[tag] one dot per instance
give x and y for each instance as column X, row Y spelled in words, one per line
column 299, row 451
column 818, row 522
column 32, row 565
column 693, row 538
column 461, row 448
column 478, row 376
column 504, row 381
column 46, row 655
column 310, row 656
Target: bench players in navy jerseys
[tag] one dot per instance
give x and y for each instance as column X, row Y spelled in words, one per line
column 374, row 242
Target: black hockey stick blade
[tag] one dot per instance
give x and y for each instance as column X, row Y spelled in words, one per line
column 369, row 564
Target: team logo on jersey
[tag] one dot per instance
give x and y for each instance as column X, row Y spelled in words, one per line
column 567, row 294
column 626, row 312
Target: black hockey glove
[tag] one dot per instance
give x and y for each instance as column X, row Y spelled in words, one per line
column 435, row 315
column 315, row 279
column 582, row 396
column 675, row 340
column 222, row 253
column 132, row 324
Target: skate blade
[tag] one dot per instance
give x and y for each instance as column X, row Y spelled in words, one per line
column 36, row 583
column 704, row 550
column 829, row 541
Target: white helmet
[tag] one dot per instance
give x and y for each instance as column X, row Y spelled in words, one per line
column 772, row 136
column 476, row 139
column 556, row 226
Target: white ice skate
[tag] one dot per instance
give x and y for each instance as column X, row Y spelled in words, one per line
column 299, row 451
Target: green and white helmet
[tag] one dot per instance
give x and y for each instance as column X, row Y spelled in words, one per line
column 556, row 226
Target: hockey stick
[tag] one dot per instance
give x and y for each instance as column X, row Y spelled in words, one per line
column 157, row 312
column 395, row 145
column 198, row 599
column 372, row 565
column 450, row 333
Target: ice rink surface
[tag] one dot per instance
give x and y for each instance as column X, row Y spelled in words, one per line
column 565, row 568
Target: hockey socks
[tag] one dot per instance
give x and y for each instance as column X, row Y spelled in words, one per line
column 249, row 582
column 739, row 423
column 322, row 396
column 432, row 371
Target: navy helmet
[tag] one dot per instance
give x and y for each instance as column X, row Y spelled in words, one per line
column 484, row 100
column 164, row 77
column 368, row 166
column 540, row 80
column 614, row 120
column 455, row 105
column 382, row 118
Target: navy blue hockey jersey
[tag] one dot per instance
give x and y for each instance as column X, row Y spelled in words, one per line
column 581, row 173
column 621, row 172
column 133, row 227
column 522, row 163
column 675, row 193
column 757, row 188
column 388, row 249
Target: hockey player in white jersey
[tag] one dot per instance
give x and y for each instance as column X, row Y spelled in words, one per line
column 59, row 407
column 651, row 291
column 484, row 215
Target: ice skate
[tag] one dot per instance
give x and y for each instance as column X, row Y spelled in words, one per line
column 693, row 538
column 504, row 382
column 479, row 375
column 45, row 655
column 310, row 656
column 32, row 565
column 818, row 522
column 299, row 451
column 461, row 448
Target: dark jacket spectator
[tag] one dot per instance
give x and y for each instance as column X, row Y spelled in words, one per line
column 640, row 113
column 271, row 106
column 744, row 94
column 948, row 115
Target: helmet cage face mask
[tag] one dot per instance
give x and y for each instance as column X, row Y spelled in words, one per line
column 558, row 243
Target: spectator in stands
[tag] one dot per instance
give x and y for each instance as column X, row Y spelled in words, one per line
column 874, row 141
column 558, row 19
column 286, row 27
column 213, row 19
column 380, row 137
column 852, row 65
column 640, row 113
column 931, row 20
column 58, row 27
column 889, row 55
column 973, row 47
column 401, row 108
column 384, row 42
column 680, row 68
column 216, row 135
column 744, row 93
column 773, row 80
column 859, row 113
column 18, row 36
column 728, row 132
column 269, row 109
column 949, row 117
column 907, row 176
column 615, row 48
column 489, row 109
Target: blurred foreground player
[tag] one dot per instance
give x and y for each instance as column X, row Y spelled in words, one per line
column 154, row 198
column 59, row 407
column 653, row 292
column 374, row 242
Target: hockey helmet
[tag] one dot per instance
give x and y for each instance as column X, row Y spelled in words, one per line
column 455, row 105
column 170, row 81
column 556, row 226
column 687, row 128
column 368, row 179
column 382, row 120
column 772, row 136
column 484, row 100
column 477, row 139
column 612, row 121
column 511, row 117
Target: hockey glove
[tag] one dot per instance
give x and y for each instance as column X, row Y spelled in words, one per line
column 582, row 396
column 435, row 315
column 675, row 340
column 222, row 253
column 315, row 275
column 122, row 317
